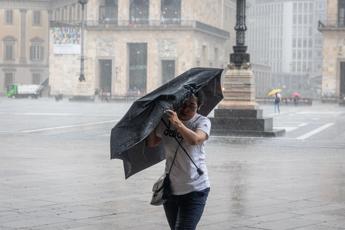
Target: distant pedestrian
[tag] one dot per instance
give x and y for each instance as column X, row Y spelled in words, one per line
column 277, row 99
column 295, row 100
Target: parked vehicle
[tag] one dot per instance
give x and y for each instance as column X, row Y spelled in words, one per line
column 18, row 91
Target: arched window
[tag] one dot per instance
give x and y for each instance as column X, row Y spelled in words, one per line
column 170, row 11
column 37, row 49
column 9, row 45
column 139, row 11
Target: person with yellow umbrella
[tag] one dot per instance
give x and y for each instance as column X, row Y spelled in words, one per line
column 277, row 98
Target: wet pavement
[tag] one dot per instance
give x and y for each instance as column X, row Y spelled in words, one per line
column 56, row 173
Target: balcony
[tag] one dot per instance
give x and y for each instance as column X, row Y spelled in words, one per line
column 331, row 25
column 146, row 25
column 165, row 20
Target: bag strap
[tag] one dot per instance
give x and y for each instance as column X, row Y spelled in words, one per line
column 172, row 163
column 199, row 170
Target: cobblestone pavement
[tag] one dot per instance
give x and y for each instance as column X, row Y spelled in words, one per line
column 56, row 173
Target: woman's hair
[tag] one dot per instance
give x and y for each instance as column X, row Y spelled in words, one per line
column 200, row 98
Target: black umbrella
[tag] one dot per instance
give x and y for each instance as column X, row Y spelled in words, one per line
column 128, row 136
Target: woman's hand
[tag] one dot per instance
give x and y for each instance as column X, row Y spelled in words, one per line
column 192, row 137
column 173, row 118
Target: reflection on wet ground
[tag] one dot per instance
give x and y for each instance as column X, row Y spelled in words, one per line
column 62, row 178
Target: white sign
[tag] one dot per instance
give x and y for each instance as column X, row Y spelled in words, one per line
column 66, row 40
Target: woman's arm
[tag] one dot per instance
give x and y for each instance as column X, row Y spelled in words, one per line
column 192, row 137
column 153, row 140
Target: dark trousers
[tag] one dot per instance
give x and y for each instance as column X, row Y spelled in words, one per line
column 185, row 211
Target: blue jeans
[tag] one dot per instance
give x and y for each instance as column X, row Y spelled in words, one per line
column 276, row 107
column 185, row 211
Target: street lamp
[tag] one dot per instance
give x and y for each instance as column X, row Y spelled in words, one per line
column 240, row 56
column 82, row 75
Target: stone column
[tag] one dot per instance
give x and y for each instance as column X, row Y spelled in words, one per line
column 238, row 113
column 123, row 6
column 155, row 11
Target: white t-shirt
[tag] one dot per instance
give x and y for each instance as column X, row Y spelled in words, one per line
column 184, row 176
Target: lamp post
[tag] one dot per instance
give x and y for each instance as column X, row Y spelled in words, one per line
column 82, row 58
column 240, row 56
column 238, row 114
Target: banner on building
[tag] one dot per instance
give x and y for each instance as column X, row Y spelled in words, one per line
column 66, row 40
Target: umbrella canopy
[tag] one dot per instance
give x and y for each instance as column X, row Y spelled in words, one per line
column 128, row 136
column 296, row 94
column 274, row 91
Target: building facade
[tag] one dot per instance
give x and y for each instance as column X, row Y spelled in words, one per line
column 134, row 46
column 333, row 30
column 263, row 79
column 24, row 42
column 283, row 34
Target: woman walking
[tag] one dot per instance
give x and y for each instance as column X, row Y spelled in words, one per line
column 188, row 176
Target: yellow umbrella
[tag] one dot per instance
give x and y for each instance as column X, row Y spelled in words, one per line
column 274, row 91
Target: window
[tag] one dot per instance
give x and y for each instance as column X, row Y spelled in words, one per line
column 9, row 43
column 170, row 11
column 341, row 13
column 70, row 14
column 304, row 43
column 293, row 66
column 74, row 12
column 36, row 50
column 9, row 17
column 36, row 20
column 62, row 14
column 305, row 7
column 304, row 67
column 299, row 67
column 36, row 78
column 9, row 80
column 57, row 14
column 78, row 12
column 137, row 54
column 108, row 13
column 139, row 11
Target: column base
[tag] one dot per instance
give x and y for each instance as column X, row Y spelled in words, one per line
column 243, row 122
